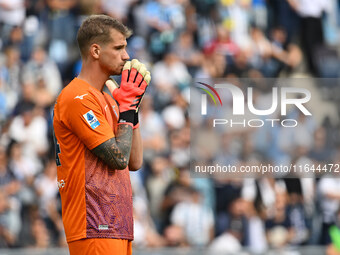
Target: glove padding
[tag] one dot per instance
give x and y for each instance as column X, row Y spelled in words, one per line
column 135, row 79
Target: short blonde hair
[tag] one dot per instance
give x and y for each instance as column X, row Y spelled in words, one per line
column 96, row 29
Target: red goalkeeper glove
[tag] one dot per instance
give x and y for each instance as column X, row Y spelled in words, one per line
column 135, row 79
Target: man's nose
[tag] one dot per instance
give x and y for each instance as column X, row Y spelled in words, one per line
column 125, row 56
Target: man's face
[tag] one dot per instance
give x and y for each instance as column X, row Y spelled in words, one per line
column 113, row 54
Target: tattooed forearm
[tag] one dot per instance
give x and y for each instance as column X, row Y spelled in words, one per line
column 115, row 152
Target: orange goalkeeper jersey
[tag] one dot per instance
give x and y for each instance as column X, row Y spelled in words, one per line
column 96, row 200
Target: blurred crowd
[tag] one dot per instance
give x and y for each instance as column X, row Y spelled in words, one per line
column 179, row 40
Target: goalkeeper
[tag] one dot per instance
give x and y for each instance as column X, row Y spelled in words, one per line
column 98, row 141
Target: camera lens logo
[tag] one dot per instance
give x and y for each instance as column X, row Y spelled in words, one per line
column 204, row 96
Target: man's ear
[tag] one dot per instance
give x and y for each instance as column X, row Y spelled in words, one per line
column 95, row 50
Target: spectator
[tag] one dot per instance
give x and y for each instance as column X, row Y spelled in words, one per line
column 179, row 153
column 146, row 234
column 222, row 44
column 118, row 9
column 24, row 170
column 175, row 193
column 152, row 130
column 47, row 190
column 30, row 129
column 10, row 78
column 10, row 221
column 41, row 68
column 40, row 234
column 180, row 77
column 256, row 228
column 233, row 220
column 312, row 34
column 159, row 179
column 195, row 220
column 235, row 15
column 12, row 13
column 187, row 52
column 261, row 193
column 321, row 151
column 279, row 230
column 259, row 14
column 8, row 236
column 240, row 67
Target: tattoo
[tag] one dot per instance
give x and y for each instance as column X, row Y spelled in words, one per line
column 115, row 152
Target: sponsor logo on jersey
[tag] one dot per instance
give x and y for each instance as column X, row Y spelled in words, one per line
column 91, row 119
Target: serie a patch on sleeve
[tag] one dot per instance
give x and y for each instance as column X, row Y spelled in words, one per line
column 91, row 119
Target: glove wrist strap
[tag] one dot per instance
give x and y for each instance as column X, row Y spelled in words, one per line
column 136, row 120
column 127, row 117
